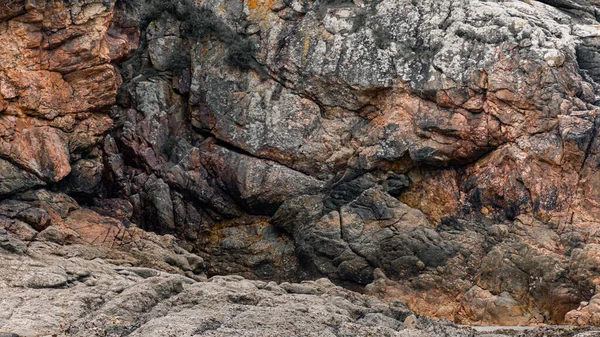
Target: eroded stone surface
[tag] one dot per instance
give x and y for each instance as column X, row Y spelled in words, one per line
column 75, row 291
column 448, row 151
column 55, row 69
column 442, row 153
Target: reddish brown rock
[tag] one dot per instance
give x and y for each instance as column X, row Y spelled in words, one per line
column 442, row 153
column 55, row 67
column 448, row 156
column 41, row 150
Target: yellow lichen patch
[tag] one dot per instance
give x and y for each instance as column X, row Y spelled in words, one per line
column 306, row 45
column 252, row 4
column 305, row 48
column 259, row 10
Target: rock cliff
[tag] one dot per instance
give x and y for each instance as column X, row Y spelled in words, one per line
column 439, row 153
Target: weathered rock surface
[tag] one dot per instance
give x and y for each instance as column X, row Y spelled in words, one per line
column 57, row 222
column 55, row 74
column 441, row 153
column 73, row 290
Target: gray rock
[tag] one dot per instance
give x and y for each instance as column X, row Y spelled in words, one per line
column 159, row 303
column 373, row 230
column 142, row 272
column 46, row 279
column 437, row 149
column 16, row 180
column 85, row 178
column 159, row 205
column 38, row 218
column 12, row 245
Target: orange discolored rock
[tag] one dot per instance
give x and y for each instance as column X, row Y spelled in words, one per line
column 54, row 68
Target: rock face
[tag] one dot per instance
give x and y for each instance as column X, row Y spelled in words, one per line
column 71, row 291
column 78, row 290
column 55, row 77
column 75, row 290
column 441, row 153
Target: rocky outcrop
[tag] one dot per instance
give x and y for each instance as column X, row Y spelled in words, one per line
column 447, row 160
column 55, row 77
column 73, row 290
column 441, row 153
column 58, row 224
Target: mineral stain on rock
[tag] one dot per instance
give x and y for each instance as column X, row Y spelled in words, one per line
column 441, row 157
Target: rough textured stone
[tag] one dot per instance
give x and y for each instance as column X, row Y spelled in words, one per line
column 441, row 153
column 54, row 70
column 16, row 180
column 76, row 291
column 431, row 155
column 480, row 305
